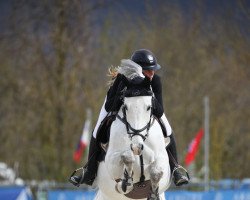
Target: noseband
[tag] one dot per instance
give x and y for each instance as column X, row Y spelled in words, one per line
column 135, row 132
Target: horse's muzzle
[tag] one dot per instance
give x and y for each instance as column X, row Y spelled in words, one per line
column 136, row 148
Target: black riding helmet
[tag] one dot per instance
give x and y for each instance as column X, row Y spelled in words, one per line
column 145, row 59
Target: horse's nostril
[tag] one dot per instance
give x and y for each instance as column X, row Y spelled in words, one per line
column 136, row 148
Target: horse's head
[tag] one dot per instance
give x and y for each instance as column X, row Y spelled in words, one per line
column 137, row 113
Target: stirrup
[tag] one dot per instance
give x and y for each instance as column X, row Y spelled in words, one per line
column 82, row 176
column 180, row 167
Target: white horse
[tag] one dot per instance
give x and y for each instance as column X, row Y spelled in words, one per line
column 136, row 165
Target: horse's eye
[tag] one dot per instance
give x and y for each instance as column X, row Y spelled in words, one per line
column 148, row 108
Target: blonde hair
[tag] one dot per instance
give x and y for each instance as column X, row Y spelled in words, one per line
column 128, row 68
column 112, row 73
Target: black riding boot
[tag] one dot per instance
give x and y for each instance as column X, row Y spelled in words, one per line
column 92, row 166
column 179, row 177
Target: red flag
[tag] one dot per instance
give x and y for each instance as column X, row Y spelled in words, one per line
column 83, row 143
column 193, row 147
column 78, row 152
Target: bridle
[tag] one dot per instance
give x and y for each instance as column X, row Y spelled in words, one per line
column 136, row 132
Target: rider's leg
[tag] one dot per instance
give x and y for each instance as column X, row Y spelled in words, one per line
column 102, row 115
column 179, row 178
column 92, row 165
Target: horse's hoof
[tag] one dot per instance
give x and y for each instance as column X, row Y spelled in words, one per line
column 151, row 198
column 123, row 187
column 154, row 197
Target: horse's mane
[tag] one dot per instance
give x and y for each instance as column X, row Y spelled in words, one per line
column 130, row 69
column 136, row 83
column 138, row 86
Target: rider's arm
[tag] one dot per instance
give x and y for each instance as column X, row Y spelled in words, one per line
column 158, row 109
column 113, row 101
column 157, row 89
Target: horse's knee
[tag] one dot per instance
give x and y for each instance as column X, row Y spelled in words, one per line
column 156, row 176
column 128, row 158
column 156, row 173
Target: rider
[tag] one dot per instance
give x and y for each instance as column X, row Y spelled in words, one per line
column 113, row 102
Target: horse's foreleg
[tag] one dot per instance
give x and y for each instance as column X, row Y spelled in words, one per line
column 156, row 174
column 125, row 185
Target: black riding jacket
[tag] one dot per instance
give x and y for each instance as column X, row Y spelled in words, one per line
column 114, row 102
